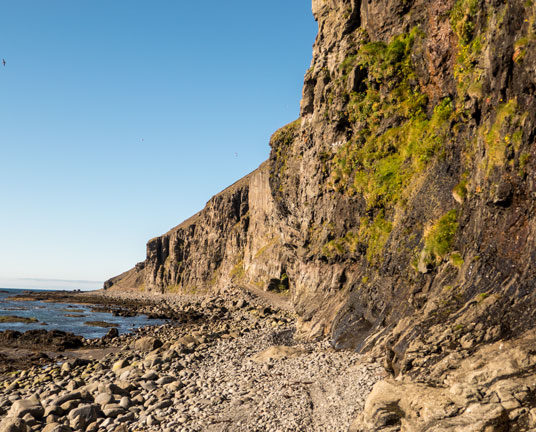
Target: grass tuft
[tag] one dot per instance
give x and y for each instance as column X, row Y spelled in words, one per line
column 438, row 241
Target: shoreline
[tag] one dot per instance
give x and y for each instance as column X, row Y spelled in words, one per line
column 232, row 364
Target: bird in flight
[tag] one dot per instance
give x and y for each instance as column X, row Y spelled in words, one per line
column 236, row 154
column 4, row 62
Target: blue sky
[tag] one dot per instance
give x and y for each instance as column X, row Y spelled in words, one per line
column 120, row 119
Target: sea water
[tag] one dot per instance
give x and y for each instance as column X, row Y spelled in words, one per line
column 55, row 316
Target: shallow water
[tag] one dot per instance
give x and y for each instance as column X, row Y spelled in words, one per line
column 54, row 316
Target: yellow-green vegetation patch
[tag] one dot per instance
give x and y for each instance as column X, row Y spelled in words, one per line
column 521, row 46
column 194, row 290
column 265, row 248
column 341, row 246
column 281, row 142
column 482, row 296
column 460, row 190
column 238, row 272
column 215, row 278
column 347, row 65
column 462, row 19
column 467, row 71
column 380, row 161
column 439, row 238
column 505, row 132
column 456, row 259
column 520, row 49
column 283, row 285
column 173, row 289
column 523, row 161
column 395, row 139
column 286, row 134
column 375, row 233
column 17, row 319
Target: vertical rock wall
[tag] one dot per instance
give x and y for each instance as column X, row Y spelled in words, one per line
column 403, row 193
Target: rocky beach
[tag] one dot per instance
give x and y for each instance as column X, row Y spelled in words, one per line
column 376, row 273
column 226, row 363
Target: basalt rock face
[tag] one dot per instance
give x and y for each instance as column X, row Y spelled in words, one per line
column 400, row 205
column 233, row 240
column 192, row 255
column 406, row 187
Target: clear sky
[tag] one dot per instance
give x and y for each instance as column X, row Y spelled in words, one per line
column 119, row 119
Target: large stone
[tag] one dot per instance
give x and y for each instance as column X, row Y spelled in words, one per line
column 104, row 398
column 27, row 406
column 147, row 343
column 112, row 389
column 150, row 376
column 80, row 417
column 13, row 424
column 162, row 404
column 112, row 333
column 189, row 341
column 56, row 427
column 113, row 410
column 119, row 364
column 74, row 395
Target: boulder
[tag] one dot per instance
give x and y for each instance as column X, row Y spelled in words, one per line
column 73, row 395
column 104, row 398
column 147, row 343
column 119, row 364
column 112, row 333
column 56, row 427
column 27, row 406
column 13, row 424
column 80, row 417
column 113, row 410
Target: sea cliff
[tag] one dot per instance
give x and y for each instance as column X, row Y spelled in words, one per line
column 397, row 211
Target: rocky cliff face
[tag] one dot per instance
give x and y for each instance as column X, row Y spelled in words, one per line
column 399, row 207
column 233, row 240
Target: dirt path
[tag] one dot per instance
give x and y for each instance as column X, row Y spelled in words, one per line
column 278, row 301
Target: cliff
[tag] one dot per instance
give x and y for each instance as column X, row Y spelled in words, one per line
column 399, row 207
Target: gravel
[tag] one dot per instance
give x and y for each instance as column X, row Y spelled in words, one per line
column 213, row 375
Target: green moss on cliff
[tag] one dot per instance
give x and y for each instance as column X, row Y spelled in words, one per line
column 238, row 272
column 342, row 246
column 503, row 134
column 468, row 73
column 439, row 238
column 281, row 143
column 283, row 137
column 394, row 140
column 375, row 233
column 347, row 65
column 462, row 19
